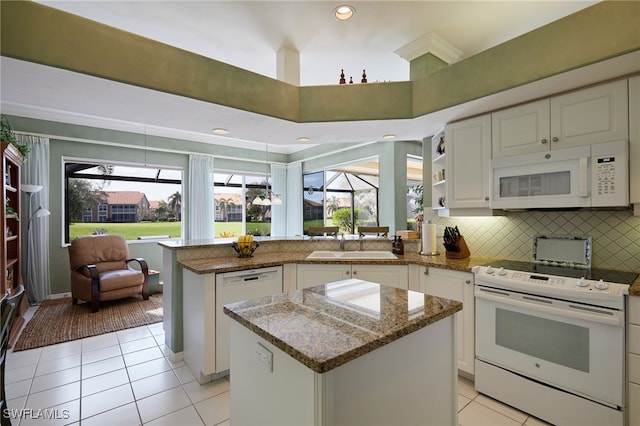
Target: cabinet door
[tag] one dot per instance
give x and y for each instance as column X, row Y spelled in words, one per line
column 634, row 409
column 457, row 286
column 468, row 163
column 634, row 140
column 390, row 275
column 594, row 115
column 309, row 275
column 520, row 130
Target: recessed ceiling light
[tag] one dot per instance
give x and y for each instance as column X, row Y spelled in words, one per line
column 389, row 137
column 220, row 131
column 303, row 139
column 344, row 12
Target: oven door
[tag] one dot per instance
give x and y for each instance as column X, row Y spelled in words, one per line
column 574, row 347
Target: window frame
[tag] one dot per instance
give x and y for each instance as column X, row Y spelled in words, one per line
column 89, row 163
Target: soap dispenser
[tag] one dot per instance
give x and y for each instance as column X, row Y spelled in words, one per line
column 394, row 245
column 399, row 246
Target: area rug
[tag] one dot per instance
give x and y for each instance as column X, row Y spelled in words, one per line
column 58, row 320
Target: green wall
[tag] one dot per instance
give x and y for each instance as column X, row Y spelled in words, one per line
column 37, row 33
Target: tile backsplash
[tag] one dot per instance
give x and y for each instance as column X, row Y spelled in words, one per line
column 615, row 234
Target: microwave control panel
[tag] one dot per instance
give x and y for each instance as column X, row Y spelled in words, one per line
column 610, row 174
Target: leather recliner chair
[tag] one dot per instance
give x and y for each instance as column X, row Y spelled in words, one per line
column 100, row 270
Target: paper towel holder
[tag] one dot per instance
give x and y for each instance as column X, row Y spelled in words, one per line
column 423, row 243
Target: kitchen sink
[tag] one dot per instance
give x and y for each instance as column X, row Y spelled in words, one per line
column 320, row 254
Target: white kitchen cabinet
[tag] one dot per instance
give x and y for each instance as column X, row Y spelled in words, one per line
column 633, row 360
column 309, row 275
column 593, row 115
column 521, row 129
column 468, row 164
column 634, row 142
column 458, row 286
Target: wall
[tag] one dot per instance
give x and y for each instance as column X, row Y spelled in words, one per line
column 615, row 234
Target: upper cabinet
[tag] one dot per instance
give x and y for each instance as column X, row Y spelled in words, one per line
column 594, row 115
column 468, row 163
column 634, row 143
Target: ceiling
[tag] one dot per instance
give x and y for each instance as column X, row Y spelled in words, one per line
column 248, row 35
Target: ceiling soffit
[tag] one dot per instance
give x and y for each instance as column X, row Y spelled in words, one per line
column 105, row 49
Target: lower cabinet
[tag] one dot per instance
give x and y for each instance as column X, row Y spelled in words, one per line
column 309, row 275
column 633, row 360
column 458, row 286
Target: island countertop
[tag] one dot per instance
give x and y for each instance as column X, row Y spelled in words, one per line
column 329, row 325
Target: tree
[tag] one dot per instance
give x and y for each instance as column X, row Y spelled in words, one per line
column 82, row 196
column 332, row 205
column 175, row 204
column 224, row 204
column 418, row 190
column 162, row 210
column 342, row 218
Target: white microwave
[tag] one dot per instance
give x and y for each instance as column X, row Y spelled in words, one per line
column 584, row 176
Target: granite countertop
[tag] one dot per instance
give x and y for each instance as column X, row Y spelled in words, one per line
column 259, row 260
column 329, row 325
column 218, row 265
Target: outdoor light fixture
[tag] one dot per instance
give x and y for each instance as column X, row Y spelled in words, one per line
column 344, row 12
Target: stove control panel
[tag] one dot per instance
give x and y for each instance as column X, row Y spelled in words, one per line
column 528, row 280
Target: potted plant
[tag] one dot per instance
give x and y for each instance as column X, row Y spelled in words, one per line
column 7, row 135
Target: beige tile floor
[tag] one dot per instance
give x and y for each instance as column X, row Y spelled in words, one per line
column 124, row 378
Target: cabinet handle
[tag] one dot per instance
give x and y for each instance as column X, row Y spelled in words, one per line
column 543, row 141
column 354, row 273
column 555, row 139
column 426, row 270
column 467, row 282
column 347, row 272
column 486, row 198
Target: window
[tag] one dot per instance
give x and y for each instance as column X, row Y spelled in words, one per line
column 340, row 198
column 415, row 205
column 132, row 201
column 235, row 212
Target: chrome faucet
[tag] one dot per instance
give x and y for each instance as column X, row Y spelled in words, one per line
column 342, row 241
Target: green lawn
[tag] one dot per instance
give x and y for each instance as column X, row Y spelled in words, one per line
column 131, row 231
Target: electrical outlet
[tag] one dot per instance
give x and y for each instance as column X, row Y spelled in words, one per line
column 265, row 356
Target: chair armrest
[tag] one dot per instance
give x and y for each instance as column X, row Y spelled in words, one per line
column 143, row 264
column 145, row 271
column 93, row 270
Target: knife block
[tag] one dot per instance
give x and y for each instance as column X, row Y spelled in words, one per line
column 464, row 250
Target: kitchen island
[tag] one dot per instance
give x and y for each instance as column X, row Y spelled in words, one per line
column 347, row 352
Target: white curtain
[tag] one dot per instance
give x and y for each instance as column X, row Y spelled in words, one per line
column 35, row 247
column 200, row 205
column 279, row 212
column 294, row 199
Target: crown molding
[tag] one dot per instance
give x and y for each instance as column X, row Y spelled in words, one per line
column 430, row 43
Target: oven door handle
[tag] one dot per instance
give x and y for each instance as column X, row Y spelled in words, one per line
column 567, row 313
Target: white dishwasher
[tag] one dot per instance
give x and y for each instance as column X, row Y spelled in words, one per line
column 235, row 287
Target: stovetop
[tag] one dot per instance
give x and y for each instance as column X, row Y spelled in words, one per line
column 619, row 277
